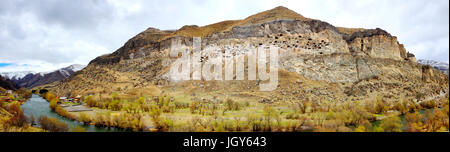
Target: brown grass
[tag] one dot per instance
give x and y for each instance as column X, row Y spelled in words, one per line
column 349, row 31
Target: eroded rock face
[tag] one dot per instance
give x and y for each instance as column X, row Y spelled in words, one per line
column 313, row 49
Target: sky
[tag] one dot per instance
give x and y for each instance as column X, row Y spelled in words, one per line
column 46, row 35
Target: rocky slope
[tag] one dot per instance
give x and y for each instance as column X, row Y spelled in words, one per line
column 318, row 61
column 33, row 79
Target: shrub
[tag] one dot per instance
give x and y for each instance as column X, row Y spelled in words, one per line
column 380, row 106
column 231, row 105
column 181, row 105
column 391, row 124
column 79, row 129
column 18, row 118
column 430, row 104
column 84, row 118
column 414, row 122
column 49, row 96
column 269, row 114
column 255, row 122
column 193, row 107
column 52, row 124
column 141, row 100
column 439, row 121
column 62, row 112
column 89, row 101
column 43, row 91
column 53, row 104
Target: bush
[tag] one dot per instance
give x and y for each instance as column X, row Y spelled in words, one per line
column 18, row 118
column 193, row 107
column 255, row 122
column 63, row 112
column 84, row 118
column 430, row 104
column 391, row 124
column 49, row 96
column 414, row 122
column 43, row 91
column 439, row 121
column 380, row 106
column 53, row 104
column 231, row 105
column 269, row 114
column 79, row 129
column 89, row 101
column 52, row 124
column 181, row 105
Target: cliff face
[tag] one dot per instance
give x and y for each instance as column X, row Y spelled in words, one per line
column 344, row 59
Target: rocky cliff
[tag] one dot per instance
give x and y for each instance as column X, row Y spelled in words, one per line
column 317, row 61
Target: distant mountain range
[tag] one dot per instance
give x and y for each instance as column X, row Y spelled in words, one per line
column 7, row 84
column 442, row 66
column 30, row 79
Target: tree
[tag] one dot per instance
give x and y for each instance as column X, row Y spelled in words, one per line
column 53, row 104
column 18, row 119
column 52, row 124
column 414, row 122
column 193, row 106
column 115, row 95
column 31, row 119
column 89, row 101
column 269, row 114
column 155, row 113
column 439, row 121
column 360, row 128
column 141, row 100
column 43, row 91
column 391, row 124
column 84, row 118
column 50, row 96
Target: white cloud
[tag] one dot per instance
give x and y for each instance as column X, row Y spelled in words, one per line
column 50, row 34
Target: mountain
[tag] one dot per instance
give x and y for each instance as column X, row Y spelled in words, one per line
column 442, row 66
column 7, row 84
column 317, row 62
column 33, row 79
column 16, row 75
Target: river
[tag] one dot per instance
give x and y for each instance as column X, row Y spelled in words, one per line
column 38, row 106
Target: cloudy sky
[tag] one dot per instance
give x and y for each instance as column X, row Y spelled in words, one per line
column 44, row 35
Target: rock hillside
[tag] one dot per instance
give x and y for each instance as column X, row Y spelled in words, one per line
column 317, row 60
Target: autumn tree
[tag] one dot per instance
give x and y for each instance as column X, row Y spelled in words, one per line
column 391, row 124
column 52, row 124
column 269, row 114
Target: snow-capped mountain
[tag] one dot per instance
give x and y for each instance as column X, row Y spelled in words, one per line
column 442, row 66
column 75, row 67
column 67, row 70
column 16, row 75
column 29, row 79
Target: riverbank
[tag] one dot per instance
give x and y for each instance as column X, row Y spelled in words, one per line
column 12, row 117
column 167, row 113
column 36, row 106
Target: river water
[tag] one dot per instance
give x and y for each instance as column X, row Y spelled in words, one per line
column 38, row 106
